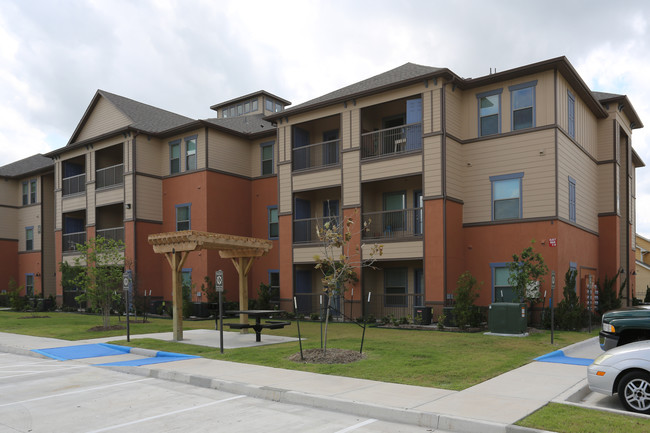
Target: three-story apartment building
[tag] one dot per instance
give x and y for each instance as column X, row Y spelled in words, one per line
column 452, row 174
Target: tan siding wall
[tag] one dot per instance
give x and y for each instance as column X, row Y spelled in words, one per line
column 398, row 250
column 513, row 154
column 58, row 211
column 103, row 119
column 606, row 188
column 90, row 204
column 456, row 168
column 351, row 179
column 346, row 122
column 605, row 143
column 255, row 155
column 432, row 166
column 229, row 154
column 72, row 203
column 319, row 179
column 152, row 156
column 586, row 126
column 573, row 162
column 11, row 192
column 128, row 196
column 109, row 196
column 456, row 112
column 8, row 223
column 305, row 254
column 284, row 144
column 29, row 216
column 399, row 166
column 149, row 198
column 355, row 128
column 284, row 179
column 163, row 153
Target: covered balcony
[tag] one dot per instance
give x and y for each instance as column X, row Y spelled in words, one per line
column 110, row 222
column 316, row 144
column 109, row 167
column 312, row 209
column 393, row 209
column 391, row 128
column 74, row 230
column 74, row 176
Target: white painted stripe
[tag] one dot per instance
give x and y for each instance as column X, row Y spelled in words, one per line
column 356, row 426
column 166, row 414
column 48, row 363
column 40, row 372
column 75, row 392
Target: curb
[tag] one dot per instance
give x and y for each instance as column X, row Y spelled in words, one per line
column 385, row 413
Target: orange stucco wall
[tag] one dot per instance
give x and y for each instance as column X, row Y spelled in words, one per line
column 609, row 232
column 30, row 263
column 8, row 263
column 148, row 265
column 434, row 251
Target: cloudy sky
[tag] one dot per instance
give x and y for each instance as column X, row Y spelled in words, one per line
column 185, row 55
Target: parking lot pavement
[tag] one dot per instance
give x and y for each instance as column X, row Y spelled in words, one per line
column 41, row 395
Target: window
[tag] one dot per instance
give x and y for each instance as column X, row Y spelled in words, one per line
column 29, row 238
column 502, row 290
column 183, row 214
column 254, row 105
column 175, row 157
column 571, row 113
column 190, row 153
column 269, row 104
column 395, row 287
column 274, row 226
column 394, row 221
column 29, row 285
column 572, row 199
column 274, row 282
column 506, row 196
column 224, row 113
column 522, row 101
column 25, row 193
column 186, row 283
column 489, row 112
column 267, row 158
column 32, row 191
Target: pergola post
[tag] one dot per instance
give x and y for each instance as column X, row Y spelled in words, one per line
column 243, row 266
column 176, row 261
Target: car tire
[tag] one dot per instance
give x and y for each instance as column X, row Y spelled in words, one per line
column 634, row 391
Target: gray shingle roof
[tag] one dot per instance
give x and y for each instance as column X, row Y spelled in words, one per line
column 604, row 96
column 406, row 72
column 251, row 124
column 25, row 166
column 146, row 117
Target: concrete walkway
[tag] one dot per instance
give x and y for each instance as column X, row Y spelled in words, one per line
column 491, row 406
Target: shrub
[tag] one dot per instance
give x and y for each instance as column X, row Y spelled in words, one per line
column 467, row 291
column 608, row 297
column 570, row 315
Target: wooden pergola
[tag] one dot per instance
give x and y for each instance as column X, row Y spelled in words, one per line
column 177, row 245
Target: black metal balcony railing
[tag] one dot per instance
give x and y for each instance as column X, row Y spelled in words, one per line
column 316, row 155
column 70, row 240
column 390, row 141
column 115, row 233
column 110, row 176
column 394, row 224
column 74, row 184
column 304, row 230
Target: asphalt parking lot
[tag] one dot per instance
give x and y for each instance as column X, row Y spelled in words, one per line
column 42, row 395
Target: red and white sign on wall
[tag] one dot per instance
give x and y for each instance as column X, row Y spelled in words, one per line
column 552, row 242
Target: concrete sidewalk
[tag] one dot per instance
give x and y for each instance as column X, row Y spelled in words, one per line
column 491, row 406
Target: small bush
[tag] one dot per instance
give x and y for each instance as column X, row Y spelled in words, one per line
column 314, row 316
column 467, row 291
column 441, row 321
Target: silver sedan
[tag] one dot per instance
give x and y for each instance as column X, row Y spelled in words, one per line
column 624, row 370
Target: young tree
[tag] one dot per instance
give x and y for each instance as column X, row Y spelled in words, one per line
column 103, row 261
column 526, row 274
column 467, row 291
column 338, row 263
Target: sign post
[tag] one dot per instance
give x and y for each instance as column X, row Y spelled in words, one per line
column 218, row 285
column 127, row 286
column 552, row 308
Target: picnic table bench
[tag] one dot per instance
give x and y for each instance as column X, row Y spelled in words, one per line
column 258, row 326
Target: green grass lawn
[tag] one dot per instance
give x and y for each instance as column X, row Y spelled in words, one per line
column 448, row 360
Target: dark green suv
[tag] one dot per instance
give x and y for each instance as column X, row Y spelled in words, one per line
column 625, row 325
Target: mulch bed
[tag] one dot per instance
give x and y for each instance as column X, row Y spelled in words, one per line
column 332, row 356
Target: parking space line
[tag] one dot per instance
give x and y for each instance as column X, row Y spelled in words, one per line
column 75, row 392
column 40, row 372
column 46, row 363
column 356, row 426
column 166, row 414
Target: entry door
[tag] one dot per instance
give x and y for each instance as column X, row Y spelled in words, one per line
column 303, row 291
column 301, row 156
column 302, row 225
column 414, row 132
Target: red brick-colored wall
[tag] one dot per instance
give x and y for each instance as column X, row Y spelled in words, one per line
column 30, row 263
column 433, row 251
column 8, row 263
column 264, row 193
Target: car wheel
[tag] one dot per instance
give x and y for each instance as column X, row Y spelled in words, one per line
column 634, row 391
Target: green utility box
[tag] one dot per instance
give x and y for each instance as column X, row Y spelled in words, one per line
column 508, row 318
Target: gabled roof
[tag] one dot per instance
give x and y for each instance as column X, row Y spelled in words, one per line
column 26, row 166
column 144, row 117
column 246, row 125
column 624, row 104
column 398, row 77
column 249, row 96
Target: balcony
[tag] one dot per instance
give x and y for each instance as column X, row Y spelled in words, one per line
column 316, row 155
column 74, row 184
column 304, row 230
column 109, row 176
column 115, row 233
column 70, row 240
column 394, row 224
column 391, row 141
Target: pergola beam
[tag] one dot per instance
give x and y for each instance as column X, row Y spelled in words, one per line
column 176, row 246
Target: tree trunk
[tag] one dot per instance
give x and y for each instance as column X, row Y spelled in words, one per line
column 327, row 319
